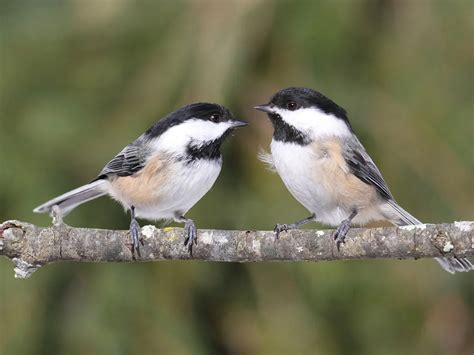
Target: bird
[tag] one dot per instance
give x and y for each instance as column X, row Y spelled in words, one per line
column 325, row 167
column 164, row 172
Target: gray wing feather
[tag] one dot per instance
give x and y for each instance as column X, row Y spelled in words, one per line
column 362, row 166
column 129, row 161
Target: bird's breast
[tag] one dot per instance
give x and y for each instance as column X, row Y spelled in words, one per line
column 166, row 186
column 302, row 172
column 319, row 178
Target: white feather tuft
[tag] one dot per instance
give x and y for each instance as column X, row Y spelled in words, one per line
column 267, row 159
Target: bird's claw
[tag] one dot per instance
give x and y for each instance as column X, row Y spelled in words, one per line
column 282, row 228
column 278, row 229
column 341, row 232
column 190, row 237
column 135, row 234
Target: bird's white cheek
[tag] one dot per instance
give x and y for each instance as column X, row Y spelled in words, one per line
column 204, row 131
column 177, row 138
column 315, row 123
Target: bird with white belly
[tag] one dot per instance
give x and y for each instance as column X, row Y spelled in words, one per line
column 325, row 167
column 164, row 172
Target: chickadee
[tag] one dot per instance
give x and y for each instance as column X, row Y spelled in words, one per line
column 164, row 172
column 325, row 167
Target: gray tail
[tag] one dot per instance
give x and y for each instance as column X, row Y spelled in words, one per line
column 70, row 200
column 451, row 264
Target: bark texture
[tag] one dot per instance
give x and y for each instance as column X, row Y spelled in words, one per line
column 30, row 246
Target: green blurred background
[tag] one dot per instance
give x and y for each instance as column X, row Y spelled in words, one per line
column 80, row 79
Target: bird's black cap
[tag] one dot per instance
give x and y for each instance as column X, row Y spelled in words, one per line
column 307, row 98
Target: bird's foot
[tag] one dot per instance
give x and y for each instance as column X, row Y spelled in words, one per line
column 283, row 228
column 341, row 232
column 190, row 236
column 286, row 227
column 135, row 234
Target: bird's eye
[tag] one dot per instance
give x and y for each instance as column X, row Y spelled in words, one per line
column 215, row 117
column 292, row 105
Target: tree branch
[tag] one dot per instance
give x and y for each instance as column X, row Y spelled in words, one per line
column 30, row 246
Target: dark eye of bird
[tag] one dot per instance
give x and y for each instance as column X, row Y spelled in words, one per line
column 214, row 117
column 292, row 105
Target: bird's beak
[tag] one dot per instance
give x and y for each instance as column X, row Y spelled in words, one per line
column 268, row 108
column 237, row 124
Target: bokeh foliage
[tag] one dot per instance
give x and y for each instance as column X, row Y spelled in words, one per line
column 80, row 79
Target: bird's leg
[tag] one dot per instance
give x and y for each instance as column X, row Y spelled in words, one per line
column 190, row 232
column 341, row 231
column 135, row 232
column 286, row 227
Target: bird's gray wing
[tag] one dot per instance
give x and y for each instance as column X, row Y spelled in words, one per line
column 362, row 166
column 129, row 161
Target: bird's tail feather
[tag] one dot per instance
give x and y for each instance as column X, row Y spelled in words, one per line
column 451, row 264
column 70, row 200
